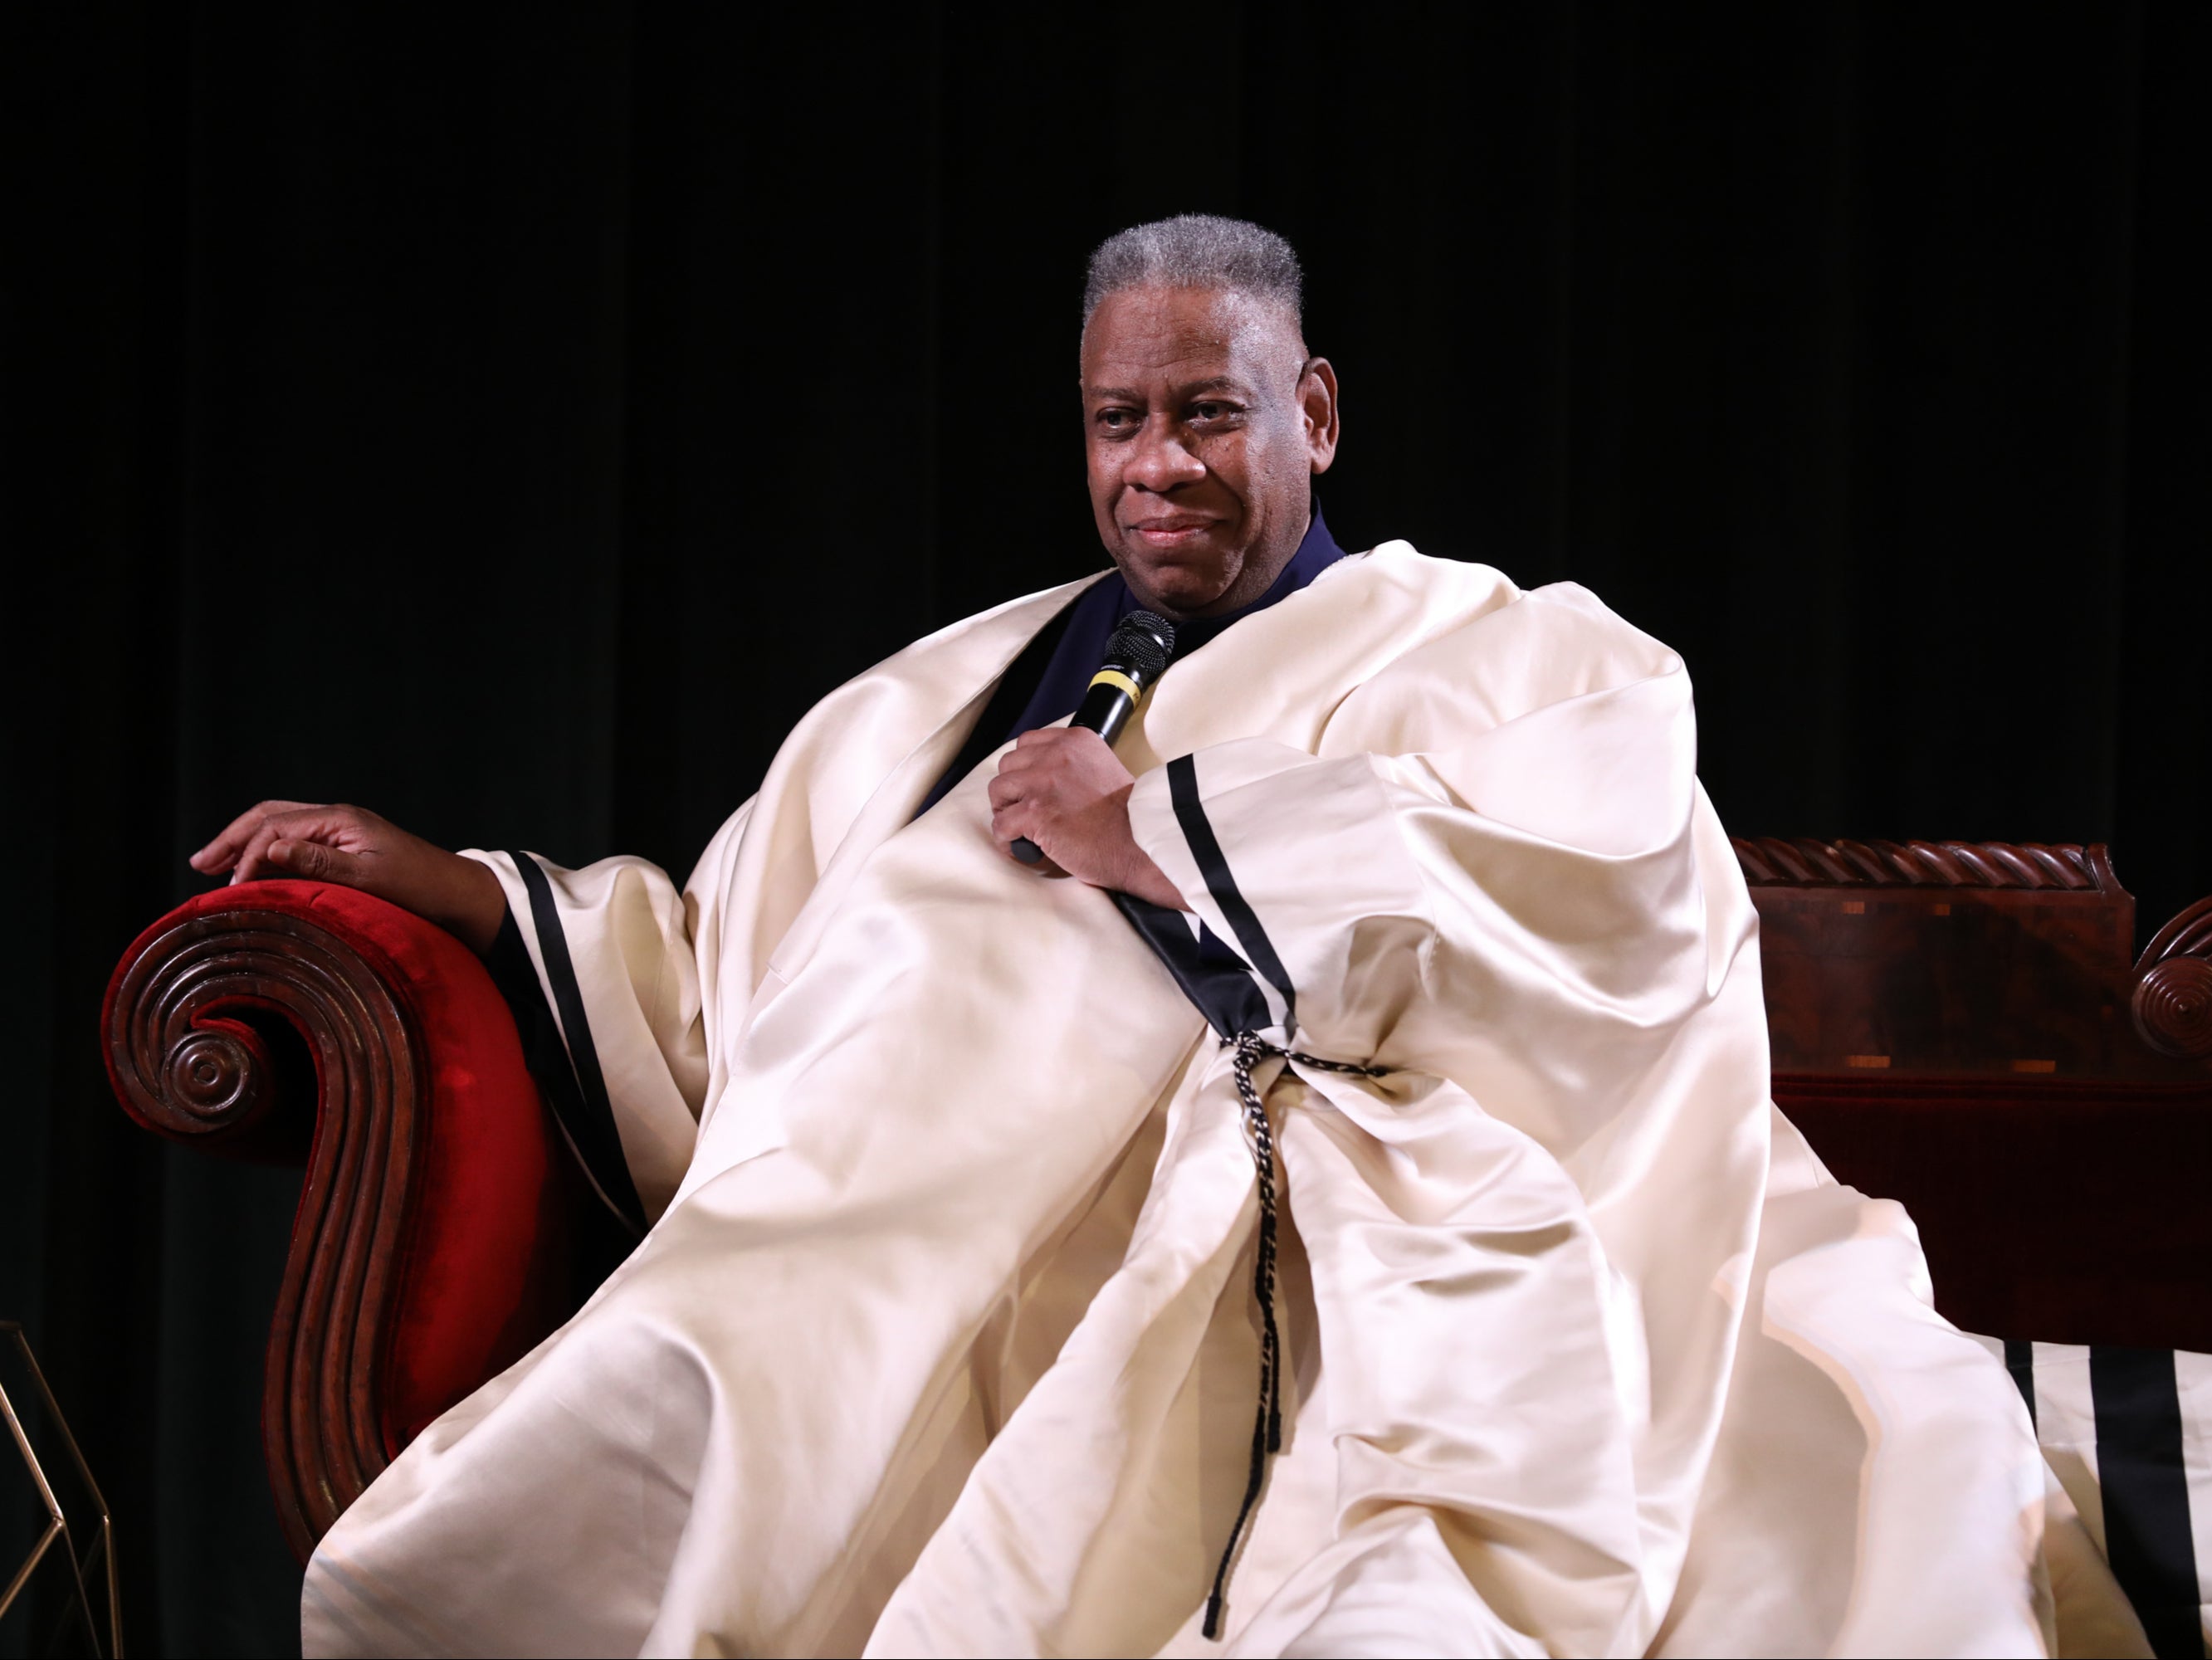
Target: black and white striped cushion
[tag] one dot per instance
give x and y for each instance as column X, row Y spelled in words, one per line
column 2129, row 1434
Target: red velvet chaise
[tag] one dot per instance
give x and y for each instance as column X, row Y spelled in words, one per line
column 1961, row 1026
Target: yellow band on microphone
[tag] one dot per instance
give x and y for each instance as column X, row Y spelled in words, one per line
column 1116, row 678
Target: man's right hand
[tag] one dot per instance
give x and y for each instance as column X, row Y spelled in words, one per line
column 354, row 847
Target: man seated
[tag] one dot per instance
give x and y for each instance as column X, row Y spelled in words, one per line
column 1388, row 1246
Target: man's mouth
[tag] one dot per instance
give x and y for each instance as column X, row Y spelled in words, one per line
column 1173, row 530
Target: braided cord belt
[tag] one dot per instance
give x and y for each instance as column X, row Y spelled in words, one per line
column 1268, row 1425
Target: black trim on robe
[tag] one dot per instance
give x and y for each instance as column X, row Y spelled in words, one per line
column 567, row 1072
column 2148, row 1542
column 1213, row 865
column 2019, row 1361
column 1211, row 975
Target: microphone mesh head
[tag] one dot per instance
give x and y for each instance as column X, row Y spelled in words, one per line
column 1142, row 646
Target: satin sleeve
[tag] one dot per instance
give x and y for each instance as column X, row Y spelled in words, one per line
column 613, row 948
column 1536, row 909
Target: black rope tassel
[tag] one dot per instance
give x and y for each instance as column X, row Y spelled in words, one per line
column 1267, row 1423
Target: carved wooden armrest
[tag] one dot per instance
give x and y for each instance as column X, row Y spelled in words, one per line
column 1964, row 1026
column 2080, row 966
column 2172, row 999
column 441, row 1229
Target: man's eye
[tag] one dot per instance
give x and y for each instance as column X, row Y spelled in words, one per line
column 1208, row 410
column 1117, row 420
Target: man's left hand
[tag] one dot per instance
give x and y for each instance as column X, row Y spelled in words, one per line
column 1064, row 789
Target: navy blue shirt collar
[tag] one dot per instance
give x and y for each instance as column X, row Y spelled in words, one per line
column 1096, row 613
column 1083, row 629
column 1317, row 552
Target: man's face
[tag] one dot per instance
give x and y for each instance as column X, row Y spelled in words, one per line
column 1204, row 425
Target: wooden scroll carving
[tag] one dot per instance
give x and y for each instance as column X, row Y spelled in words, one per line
column 2173, row 1004
column 200, row 1031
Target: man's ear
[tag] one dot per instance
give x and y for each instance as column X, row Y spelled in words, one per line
column 1317, row 411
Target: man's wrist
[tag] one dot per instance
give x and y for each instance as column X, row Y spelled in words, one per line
column 1148, row 882
column 475, row 905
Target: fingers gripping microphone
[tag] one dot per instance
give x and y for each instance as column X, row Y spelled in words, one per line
column 1136, row 656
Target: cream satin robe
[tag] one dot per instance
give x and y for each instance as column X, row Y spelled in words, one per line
column 944, row 1341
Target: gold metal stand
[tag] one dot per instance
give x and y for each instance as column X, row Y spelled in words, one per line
column 95, row 1563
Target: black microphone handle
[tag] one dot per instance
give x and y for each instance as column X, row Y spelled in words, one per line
column 1105, row 710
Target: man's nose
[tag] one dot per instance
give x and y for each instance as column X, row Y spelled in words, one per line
column 1161, row 461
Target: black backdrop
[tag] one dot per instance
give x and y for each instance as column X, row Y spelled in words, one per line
column 511, row 419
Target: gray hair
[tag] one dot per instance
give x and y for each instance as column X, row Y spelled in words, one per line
column 1198, row 250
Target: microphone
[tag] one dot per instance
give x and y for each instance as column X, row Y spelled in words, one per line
column 1136, row 656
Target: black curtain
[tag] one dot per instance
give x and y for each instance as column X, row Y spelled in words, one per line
column 512, row 418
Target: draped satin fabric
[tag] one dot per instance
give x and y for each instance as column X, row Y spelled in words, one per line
column 944, row 1339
